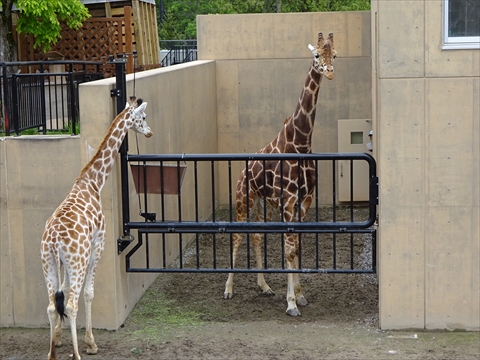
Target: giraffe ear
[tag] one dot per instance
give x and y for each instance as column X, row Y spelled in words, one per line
column 141, row 108
column 127, row 106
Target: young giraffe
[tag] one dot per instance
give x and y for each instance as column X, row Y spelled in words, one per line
column 295, row 137
column 74, row 235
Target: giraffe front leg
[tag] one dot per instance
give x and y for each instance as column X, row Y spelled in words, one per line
column 300, row 299
column 292, row 290
column 237, row 240
column 257, row 248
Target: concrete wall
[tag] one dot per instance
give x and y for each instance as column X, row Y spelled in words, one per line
column 38, row 172
column 262, row 61
column 426, row 115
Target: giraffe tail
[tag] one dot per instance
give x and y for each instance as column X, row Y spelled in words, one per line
column 60, row 304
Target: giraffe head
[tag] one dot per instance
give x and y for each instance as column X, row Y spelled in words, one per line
column 138, row 116
column 323, row 55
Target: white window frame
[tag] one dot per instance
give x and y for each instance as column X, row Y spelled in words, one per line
column 456, row 42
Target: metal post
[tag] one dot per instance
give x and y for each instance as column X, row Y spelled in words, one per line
column 120, row 93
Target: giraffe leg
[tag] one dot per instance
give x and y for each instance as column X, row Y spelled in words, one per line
column 59, row 326
column 237, row 241
column 54, row 318
column 300, row 298
column 88, row 295
column 291, row 248
column 71, row 310
column 257, row 248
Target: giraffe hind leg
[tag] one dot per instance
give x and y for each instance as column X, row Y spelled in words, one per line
column 237, row 240
column 257, row 247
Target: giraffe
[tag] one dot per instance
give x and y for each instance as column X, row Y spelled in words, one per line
column 74, row 235
column 281, row 190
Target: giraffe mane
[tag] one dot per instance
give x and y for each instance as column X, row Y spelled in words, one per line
column 102, row 144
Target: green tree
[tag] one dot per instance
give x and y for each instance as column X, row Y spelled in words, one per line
column 178, row 17
column 41, row 18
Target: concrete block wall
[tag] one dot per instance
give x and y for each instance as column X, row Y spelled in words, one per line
column 37, row 172
column 427, row 121
column 262, row 61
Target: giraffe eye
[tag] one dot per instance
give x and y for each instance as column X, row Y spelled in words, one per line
column 317, row 56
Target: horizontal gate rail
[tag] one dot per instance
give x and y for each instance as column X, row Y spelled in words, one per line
column 353, row 232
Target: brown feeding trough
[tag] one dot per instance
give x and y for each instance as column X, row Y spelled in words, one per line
column 160, row 178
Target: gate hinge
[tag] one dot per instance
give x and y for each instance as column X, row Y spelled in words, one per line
column 115, row 93
column 374, row 190
column 123, row 242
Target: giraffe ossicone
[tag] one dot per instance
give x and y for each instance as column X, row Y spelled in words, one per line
column 74, row 236
column 288, row 187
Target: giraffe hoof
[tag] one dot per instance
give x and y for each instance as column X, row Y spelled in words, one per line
column 92, row 350
column 227, row 296
column 293, row 312
column 268, row 292
column 301, row 301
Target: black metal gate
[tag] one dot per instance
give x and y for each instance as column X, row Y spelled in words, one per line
column 335, row 238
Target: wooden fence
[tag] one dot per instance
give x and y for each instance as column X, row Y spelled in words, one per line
column 98, row 38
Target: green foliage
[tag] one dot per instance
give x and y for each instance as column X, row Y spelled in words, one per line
column 179, row 17
column 42, row 19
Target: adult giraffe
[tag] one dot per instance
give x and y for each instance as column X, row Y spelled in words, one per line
column 74, row 235
column 294, row 137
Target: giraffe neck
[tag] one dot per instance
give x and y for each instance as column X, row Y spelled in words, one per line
column 100, row 165
column 303, row 118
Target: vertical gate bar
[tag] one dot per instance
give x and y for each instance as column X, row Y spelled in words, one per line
column 43, row 106
column 145, row 190
column 351, row 251
column 214, row 237
column 147, row 250
column 195, row 184
column 374, row 251
column 179, row 197
column 247, row 203
column 121, row 87
column 282, row 218
column 6, row 97
column 164, row 250
column 247, row 189
column 15, row 105
column 334, row 192
column 351, row 190
column 230, row 209
column 264, row 215
column 316, row 214
column 162, row 186
column 299, row 209
column 334, row 251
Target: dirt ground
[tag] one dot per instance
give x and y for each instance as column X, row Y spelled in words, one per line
column 184, row 316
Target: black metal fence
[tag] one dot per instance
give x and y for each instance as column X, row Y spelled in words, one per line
column 43, row 97
column 333, row 237
column 180, row 51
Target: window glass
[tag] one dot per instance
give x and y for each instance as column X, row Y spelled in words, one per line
column 463, row 18
column 461, row 24
column 356, row 137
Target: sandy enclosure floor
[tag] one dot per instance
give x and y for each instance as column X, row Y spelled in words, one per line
column 184, row 316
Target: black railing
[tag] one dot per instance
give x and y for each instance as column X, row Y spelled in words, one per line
column 42, row 97
column 328, row 229
column 180, row 51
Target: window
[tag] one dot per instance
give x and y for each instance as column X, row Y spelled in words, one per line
column 461, row 23
column 356, row 137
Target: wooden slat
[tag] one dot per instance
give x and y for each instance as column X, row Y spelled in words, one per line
column 128, row 38
column 139, row 32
